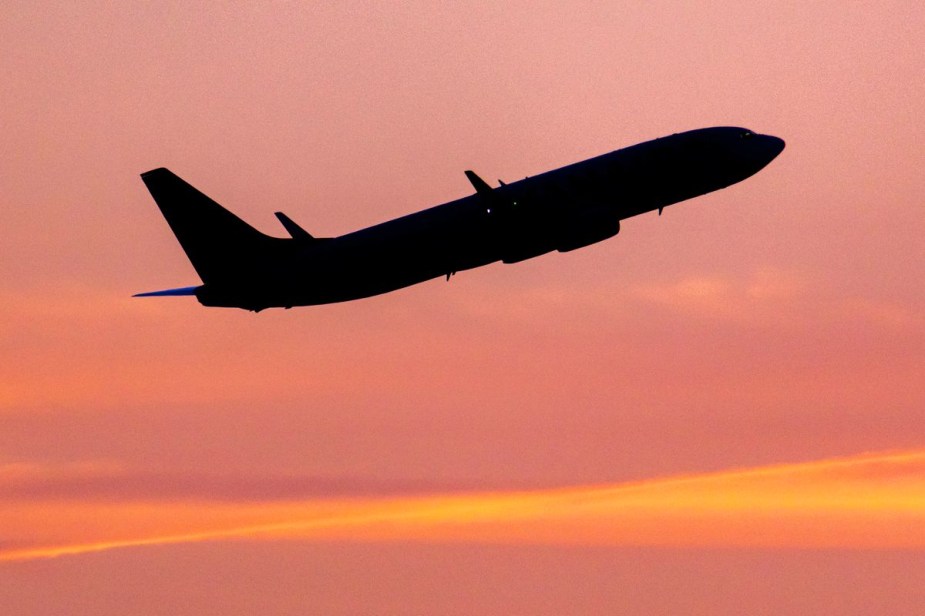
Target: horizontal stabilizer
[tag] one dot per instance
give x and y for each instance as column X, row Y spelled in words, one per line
column 297, row 232
column 169, row 292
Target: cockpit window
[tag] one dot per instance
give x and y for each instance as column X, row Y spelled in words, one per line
column 747, row 134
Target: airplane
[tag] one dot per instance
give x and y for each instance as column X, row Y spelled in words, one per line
column 559, row 210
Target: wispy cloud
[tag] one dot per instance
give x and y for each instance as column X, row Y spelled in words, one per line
column 107, row 482
column 723, row 296
column 865, row 501
column 771, row 296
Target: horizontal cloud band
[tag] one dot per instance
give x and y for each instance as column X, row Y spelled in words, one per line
column 865, row 501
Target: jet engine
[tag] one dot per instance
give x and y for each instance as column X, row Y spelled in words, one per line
column 588, row 228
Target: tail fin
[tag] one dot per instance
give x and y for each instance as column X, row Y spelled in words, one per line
column 220, row 245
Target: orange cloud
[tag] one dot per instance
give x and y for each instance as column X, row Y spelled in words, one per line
column 865, row 501
column 726, row 297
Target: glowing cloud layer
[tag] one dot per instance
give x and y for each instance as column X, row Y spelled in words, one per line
column 866, row 501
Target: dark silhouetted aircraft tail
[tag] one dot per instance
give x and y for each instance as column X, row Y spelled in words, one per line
column 220, row 245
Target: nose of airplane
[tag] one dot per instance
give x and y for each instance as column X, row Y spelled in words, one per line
column 775, row 145
column 757, row 151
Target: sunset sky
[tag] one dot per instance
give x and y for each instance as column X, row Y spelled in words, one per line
column 719, row 411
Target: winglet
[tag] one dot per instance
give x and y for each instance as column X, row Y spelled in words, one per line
column 480, row 185
column 297, row 232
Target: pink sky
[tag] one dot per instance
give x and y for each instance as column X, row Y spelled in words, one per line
column 779, row 321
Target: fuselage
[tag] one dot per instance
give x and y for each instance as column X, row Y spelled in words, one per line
column 562, row 210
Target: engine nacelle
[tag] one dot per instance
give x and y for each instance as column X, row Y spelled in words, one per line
column 589, row 228
column 522, row 253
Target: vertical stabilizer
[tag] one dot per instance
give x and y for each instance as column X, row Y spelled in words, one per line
column 220, row 245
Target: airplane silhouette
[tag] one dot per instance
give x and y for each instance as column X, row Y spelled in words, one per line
column 564, row 209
